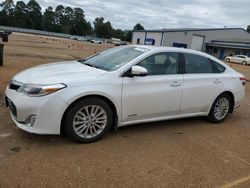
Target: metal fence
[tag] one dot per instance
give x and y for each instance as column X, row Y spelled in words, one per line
column 38, row 32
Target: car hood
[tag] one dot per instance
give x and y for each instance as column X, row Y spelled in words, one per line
column 62, row 72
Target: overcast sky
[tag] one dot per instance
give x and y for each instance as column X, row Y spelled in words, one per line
column 158, row 14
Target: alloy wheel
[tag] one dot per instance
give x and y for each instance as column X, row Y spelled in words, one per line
column 221, row 108
column 90, row 121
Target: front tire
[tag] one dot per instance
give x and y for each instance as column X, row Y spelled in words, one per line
column 220, row 109
column 88, row 120
column 244, row 63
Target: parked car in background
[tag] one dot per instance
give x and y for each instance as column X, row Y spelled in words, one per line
column 241, row 59
column 96, row 41
column 122, row 86
column 123, row 43
column 78, row 38
column 115, row 41
column 81, row 39
column 73, row 38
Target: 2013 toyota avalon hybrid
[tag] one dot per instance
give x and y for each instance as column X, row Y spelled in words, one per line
column 122, row 86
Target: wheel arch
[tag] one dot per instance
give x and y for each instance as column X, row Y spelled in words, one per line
column 244, row 62
column 107, row 100
column 231, row 95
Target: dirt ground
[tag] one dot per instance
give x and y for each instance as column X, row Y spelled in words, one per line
column 179, row 153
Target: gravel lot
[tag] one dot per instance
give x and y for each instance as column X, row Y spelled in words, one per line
column 179, row 153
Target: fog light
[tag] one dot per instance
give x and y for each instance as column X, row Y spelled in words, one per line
column 30, row 120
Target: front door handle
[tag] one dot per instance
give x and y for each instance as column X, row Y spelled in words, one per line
column 217, row 81
column 175, row 84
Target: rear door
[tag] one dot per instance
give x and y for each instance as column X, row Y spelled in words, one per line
column 242, row 58
column 238, row 59
column 201, row 85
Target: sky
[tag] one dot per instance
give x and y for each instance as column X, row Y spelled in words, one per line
column 159, row 14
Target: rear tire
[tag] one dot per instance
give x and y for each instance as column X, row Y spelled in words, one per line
column 220, row 109
column 228, row 60
column 88, row 120
column 244, row 63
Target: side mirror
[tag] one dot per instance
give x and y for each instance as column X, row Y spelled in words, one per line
column 138, row 71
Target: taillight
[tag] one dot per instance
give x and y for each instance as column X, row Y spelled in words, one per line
column 243, row 80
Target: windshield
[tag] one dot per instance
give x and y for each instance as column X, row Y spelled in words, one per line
column 115, row 58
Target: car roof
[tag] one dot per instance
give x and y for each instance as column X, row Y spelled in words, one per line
column 174, row 49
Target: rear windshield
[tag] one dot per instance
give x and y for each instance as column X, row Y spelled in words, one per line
column 115, row 58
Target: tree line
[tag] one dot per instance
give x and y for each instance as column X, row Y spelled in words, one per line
column 61, row 20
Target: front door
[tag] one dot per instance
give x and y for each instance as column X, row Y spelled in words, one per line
column 156, row 95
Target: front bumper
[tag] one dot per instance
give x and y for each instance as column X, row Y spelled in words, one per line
column 48, row 109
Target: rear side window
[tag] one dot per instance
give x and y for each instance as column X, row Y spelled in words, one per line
column 218, row 68
column 196, row 64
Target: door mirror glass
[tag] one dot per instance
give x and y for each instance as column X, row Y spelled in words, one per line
column 138, row 71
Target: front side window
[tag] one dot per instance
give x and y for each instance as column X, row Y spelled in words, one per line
column 196, row 64
column 161, row 64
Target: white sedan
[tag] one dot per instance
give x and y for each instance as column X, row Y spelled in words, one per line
column 241, row 59
column 96, row 41
column 122, row 86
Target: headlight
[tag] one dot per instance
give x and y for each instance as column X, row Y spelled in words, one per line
column 35, row 90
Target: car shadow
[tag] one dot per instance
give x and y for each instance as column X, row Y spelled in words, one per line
column 172, row 126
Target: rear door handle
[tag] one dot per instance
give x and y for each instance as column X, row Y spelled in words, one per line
column 175, row 84
column 217, row 81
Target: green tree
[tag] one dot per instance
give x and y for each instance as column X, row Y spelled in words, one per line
column 20, row 14
column 8, row 7
column 89, row 30
column 138, row 27
column 49, row 23
column 107, row 30
column 79, row 24
column 7, row 13
column 67, row 19
column 102, row 29
column 128, row 36
column 34, row 15
column 59, row 16
column 98, row 23
column 118, row 33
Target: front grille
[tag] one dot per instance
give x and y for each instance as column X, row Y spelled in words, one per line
column 14, row 85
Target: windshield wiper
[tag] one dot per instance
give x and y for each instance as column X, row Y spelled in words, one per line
column 81, row 60
column 90, row 65
column 85, row 59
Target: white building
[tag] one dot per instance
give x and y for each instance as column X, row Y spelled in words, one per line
column 219, row 42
